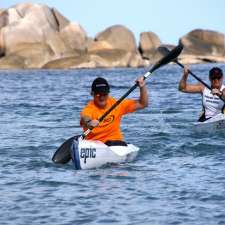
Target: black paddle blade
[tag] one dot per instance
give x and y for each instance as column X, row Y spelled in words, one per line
column 62, row 154
column 171, row 56
column 163, row 50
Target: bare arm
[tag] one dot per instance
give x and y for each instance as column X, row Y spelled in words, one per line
column 142, row 102
column 189, row 88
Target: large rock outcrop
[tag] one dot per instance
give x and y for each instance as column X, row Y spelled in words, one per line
column 113, row 47
column 117, row 46
column 119, row 37
column 3, row 18
column 103, row 59
column 40, row 34
column 203, row 45
column 37, row 36
column 149, row 42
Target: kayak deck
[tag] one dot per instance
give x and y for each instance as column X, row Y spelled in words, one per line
column 94, row 154
column 214, row 124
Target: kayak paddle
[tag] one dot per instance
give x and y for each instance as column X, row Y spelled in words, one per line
column 62, row 155
column 166, row 51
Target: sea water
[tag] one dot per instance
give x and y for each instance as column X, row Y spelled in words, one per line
column 177, row 178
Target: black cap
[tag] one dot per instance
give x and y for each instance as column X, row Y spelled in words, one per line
column 215, row 73
column 100, row 85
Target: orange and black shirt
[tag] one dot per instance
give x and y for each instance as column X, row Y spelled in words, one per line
column 109, row 128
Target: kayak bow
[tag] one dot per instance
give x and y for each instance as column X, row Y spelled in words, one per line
column 94, row 154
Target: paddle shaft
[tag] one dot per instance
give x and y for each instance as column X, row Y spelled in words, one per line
column 189, row 71
column 122, row 98
column 62, row 155
column 166, row 51
column 172, row 55
column 197, row 78
column 117, row 103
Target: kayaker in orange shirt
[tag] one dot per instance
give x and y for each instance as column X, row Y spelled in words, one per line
column 109, row 129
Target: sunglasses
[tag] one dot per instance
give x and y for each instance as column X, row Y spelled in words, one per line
column 216, row 77
column 101, row 94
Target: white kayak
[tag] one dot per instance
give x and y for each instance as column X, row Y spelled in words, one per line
column 214, row 124
column 88, row 154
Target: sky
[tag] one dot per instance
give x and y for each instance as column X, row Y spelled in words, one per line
column 170, row 20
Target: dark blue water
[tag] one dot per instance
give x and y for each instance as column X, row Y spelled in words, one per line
column 178, row 177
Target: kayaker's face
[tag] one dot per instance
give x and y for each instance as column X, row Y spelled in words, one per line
column 216, row 83
column 101, row 99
